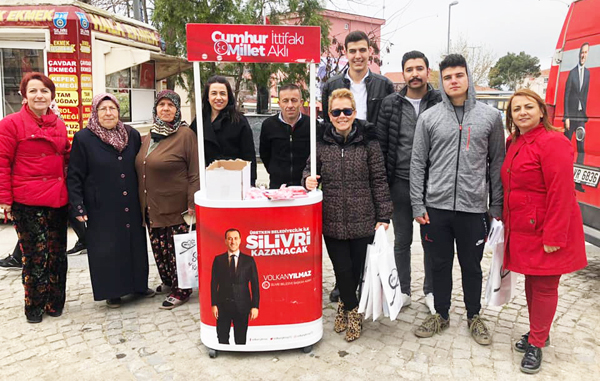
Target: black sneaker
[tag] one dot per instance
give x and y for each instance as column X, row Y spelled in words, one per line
column 79, row 248
column 34, row 319
column 532, row 360
column 523, row 343
column 10, row 262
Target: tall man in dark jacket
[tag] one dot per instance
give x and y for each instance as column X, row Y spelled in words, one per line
column 234, row 290
column 458, row 150
column 368, row 88
column 285, row 140
column 576, row 95
column 395, row 130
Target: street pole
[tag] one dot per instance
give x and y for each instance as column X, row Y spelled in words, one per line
column 449, row 13
column 137, row 14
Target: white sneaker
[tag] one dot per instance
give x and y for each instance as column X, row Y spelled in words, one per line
column 405, row 300
column 429, row 303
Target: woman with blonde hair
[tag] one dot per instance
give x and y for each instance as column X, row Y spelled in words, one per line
column 543, row 226
column 356, row 199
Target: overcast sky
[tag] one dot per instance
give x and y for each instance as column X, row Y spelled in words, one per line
column 500, row 26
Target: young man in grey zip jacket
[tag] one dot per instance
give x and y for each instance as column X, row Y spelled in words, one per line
column 457, row 154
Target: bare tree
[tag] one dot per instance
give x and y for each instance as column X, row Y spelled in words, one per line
column 480, row 59
column 125, row 7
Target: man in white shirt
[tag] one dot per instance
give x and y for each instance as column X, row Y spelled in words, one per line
column 234, row 290
column 576, row 94
column 368, row 88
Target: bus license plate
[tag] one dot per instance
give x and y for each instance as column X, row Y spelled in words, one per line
column 586, row 177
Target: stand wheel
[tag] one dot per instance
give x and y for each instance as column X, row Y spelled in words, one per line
column 212, row 353
column 307, row 349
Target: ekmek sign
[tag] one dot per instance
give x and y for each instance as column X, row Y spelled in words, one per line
column 253, row 43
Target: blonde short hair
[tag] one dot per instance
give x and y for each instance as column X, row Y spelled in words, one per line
column 341, row 93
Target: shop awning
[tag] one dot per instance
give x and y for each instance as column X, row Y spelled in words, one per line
column 122, row 57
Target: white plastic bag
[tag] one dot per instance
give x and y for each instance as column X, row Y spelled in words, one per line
column 388, row 275
column 186, row 257
column 376, row 288
column 501, row 283
column 381, row 287
column 365, row 306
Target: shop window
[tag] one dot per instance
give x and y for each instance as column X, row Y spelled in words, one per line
column 134, row 89
column 14, row 64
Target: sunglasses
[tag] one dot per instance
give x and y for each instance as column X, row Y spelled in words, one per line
column 337, row 112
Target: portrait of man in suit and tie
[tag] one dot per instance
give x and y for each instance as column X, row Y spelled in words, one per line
column 576, row 94
column 234, row 290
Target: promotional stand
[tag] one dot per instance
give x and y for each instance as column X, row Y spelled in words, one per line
column 279, row 266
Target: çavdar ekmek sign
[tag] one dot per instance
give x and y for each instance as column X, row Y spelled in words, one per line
column 253, row 43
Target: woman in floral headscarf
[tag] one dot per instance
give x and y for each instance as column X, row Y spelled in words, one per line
column 103, row 192
column 167, row 168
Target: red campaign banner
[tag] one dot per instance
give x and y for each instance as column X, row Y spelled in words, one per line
column 253, row 43
column 282, row 248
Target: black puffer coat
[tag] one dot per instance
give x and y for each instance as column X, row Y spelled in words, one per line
column 390, row 125
column 355, row 191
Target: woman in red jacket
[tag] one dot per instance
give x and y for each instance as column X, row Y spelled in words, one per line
column 34, row 152
column 543, row 226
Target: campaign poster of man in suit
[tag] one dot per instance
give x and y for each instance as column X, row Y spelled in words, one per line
column 234, row 290
column 576, row 94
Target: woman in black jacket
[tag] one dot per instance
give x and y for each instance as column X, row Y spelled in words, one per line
column 227, row 134
column 356, row 200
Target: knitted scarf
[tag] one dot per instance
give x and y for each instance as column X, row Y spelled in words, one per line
column 116, row 137
column 162, row 129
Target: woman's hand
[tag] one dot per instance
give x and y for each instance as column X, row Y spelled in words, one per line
column 82, row 218
column 191, row 212
column 385, row 226
column 253, row 313
column 312, row 182
column 7, row 210
column 550, row 249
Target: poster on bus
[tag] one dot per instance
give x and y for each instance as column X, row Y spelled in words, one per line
column 577, row 98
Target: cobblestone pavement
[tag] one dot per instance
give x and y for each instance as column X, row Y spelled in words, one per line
column 141, row 342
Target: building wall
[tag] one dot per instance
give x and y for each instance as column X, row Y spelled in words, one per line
column 538, row 84
column 344, row 23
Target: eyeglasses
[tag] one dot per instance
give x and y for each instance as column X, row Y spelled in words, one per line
column 104, row 110
column 337, row 112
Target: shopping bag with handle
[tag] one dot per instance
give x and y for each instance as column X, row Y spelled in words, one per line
column 388, row 274
column 365, row 305
column 501, row 283
column 186, row 257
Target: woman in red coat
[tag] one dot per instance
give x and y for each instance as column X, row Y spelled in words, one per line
column 543, row 226
column 34, row 152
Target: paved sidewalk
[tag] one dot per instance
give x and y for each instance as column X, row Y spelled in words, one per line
column 141, row 342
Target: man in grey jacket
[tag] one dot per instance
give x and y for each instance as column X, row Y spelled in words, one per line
column 457, row 154
column 396, row 123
